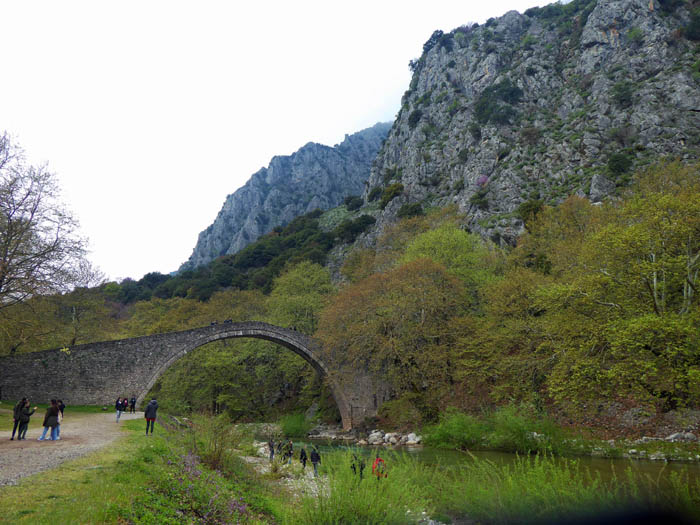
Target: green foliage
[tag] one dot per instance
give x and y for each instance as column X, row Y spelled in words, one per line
column 349, row 229
column 353, row 202
column 475, row 130
column 410, row 210
column 465, row 255
column 480, row 198
column 375, row 193
column 295, row 425
column 414, row 118
column 463, row 155
column 529, row 209
column 619, row 163
column 622, row 93
column 635, row 36
column 389, row 193
column 692, row 30
column 495, row 103
column 455, row 430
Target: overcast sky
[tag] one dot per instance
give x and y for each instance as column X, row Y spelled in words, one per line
column 152, row 112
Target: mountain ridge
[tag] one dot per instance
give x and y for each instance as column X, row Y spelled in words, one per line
column 315, row 176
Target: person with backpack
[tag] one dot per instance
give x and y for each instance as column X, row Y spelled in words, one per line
column 150, row 414
column 50, row 421
column 315, row 460
column 16, row 411
column 24, row 416
column 379, row 468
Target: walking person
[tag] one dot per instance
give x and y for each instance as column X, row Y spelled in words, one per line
column 315, row 460
column 303, row 458
column 132, row 405
column 24, row 416
column 50, row 421
column 61, row 407
column 150, row 414
column 358, row 464
column 120, row 406
column 16, row 411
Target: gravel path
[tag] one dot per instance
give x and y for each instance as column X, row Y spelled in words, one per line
column 80, row 435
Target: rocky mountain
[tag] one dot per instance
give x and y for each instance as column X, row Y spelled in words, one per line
column 316, row 176
column 530, row 108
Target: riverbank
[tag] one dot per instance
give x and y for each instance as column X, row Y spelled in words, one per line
column 207, row 472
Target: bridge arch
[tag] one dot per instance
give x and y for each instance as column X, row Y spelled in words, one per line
column 299, row 343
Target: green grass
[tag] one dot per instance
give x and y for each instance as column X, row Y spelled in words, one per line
column 530, row 488
column 138, row 479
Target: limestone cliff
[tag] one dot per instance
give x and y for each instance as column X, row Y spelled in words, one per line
column 315, row 176
column 560, row 100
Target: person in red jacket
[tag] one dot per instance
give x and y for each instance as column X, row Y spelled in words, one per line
column 379, row 468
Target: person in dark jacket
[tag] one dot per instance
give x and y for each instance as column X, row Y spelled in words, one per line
column 150, row 414
column 50, row 421
column 303, row 457
column 15, row 416
column 315, row 460
column 61, row 406
column 119, row 407
column 24, row 416
column 132, row 405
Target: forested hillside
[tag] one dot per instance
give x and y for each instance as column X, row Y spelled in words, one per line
column 595, row 312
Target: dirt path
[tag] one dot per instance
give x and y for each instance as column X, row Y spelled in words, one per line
column 80, row 435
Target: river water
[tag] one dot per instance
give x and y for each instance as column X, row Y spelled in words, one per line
column 606, row 468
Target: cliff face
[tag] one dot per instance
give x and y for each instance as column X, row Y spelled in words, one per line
column 560, row 100
column 315, row 176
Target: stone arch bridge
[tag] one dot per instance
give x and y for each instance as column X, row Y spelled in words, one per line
column 98, row 373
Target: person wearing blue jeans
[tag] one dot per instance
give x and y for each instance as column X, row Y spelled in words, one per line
column 50, row 421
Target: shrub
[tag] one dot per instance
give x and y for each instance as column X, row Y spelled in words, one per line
column 692, row 30
column 530, row 71
column 475, row 130
column 374, row 193
column 530, row 135
column 455, row 431
column 622, row 93
column 295, row 425
column 463, row 155
column 348, row 230
column 353, row 202
column 494, row 103
column 619, row 163
column 635, row 36
column 479, row 199
column 529, row 209
column 410, row 210
column 390, row 193
column 458, row 186
column 414, row 118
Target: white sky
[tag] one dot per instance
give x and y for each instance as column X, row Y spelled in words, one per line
column 152, row 112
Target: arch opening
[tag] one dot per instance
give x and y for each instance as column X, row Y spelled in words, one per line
column 296, row 342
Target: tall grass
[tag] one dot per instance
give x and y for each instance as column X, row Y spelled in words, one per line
column 530, row 488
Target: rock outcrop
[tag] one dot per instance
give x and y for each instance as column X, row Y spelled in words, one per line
column 316, row 176
column 565, row 99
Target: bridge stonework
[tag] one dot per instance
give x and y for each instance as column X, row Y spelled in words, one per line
column 98, row 373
